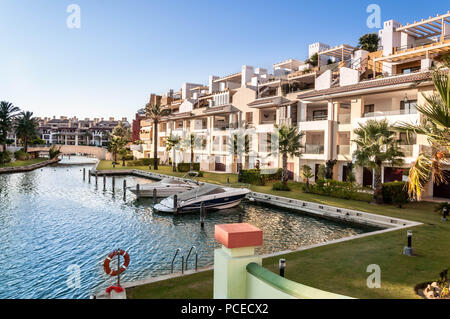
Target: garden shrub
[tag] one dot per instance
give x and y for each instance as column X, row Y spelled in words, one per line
column 251, row 176
column 279, row 186
column 344, row 190
column 395, row 193
column 5, row 157
column 186, row 167
column 21, row 155
column 142, row 162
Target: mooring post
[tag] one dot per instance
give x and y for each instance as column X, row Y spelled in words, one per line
column 155, row 195
column 89, row 176
column 202, row 214
column 84, row 174
column 124, row 188
column 104, row 182
column 175, row 204
column 96, row 179
column 113, row 183
column 228, row 180
column 138, row 190
column 282, row 265
column 182, row 264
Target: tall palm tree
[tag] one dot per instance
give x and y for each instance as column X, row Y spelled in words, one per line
column 155, row 112
column 436, row 127
column 171, row 144
column 192, row 141
column 237, row 145
column 289, row 144
column 8, row 113
column 377, row 145
column 26, row 128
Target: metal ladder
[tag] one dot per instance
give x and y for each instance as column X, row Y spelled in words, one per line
column 183, row 261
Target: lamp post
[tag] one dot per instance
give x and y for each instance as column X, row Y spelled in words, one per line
column 408, row 250
column 282, row 266
column 444, row 214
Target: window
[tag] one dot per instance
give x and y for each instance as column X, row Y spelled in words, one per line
column 404, row 139
column 320, row 115
column 408, row 107
column 369, row 108
column 249, row 117
column 410, row 70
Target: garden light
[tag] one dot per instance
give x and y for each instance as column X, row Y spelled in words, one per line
column 408, row 250
column 282, row 266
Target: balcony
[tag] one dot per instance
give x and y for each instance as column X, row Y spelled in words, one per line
column 389, row 113
column 343, row 149
column 408, row 150
column 314, row 149
column 344, row 118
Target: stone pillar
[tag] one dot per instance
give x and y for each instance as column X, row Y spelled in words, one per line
column 238, row 250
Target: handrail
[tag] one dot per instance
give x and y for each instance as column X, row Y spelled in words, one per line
column 196, row 257
column 173, row 260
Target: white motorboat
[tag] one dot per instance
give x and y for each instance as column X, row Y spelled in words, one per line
column 167, row 186
column 213, row 197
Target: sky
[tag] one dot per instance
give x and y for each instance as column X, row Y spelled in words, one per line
column 125, row 50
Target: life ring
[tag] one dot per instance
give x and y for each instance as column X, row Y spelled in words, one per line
column 108, row 259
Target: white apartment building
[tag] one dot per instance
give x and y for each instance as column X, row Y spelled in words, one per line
column 325, row 101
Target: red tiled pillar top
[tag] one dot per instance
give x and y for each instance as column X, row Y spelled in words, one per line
column 238, row 235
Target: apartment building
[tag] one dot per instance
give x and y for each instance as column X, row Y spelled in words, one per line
column 74, row 131
column 327, row 101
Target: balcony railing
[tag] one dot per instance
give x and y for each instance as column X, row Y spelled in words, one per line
column 344, row 118
column 408, row 150
column 343, row 149
column 388, row 113
column 314, row 149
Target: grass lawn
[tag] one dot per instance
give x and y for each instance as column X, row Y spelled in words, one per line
column 24, row 163
column 341, row 268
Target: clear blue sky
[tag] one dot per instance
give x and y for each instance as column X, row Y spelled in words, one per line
column 127, row 49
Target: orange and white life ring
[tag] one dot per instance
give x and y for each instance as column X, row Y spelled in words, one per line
column 108, row 259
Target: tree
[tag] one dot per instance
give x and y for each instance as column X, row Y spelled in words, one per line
column 8, row 113
column 369, row 42
column 54, row 152
column 115, row 145
column 121, row 131
column 329, row 165
column 313, row 60
column 26, row 128
column 436, row 127
column 350, row 174
column 289, row 144
column 155, row 112
column 237, row 145
column 307, row 174
column 190, row 142
column 377, row 145
column 171, row 144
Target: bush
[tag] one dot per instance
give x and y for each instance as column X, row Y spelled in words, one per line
column 186, row 167
column 5, row 157
column 344, row 190
column 395, row 193
column 281, row 187
column 21, row 155
column 254, row 177
column 142, row 162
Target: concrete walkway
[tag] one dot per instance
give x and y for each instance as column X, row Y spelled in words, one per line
column 28, row 168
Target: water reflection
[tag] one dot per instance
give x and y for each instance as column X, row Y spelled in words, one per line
column 51, row 218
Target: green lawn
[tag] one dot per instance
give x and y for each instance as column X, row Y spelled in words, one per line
column 24, row 163
column 341, row 268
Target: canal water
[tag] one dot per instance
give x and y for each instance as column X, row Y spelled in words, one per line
column 54, row 226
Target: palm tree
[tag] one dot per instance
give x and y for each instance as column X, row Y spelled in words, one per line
column 369, row 42
column 377, row 145
column 436, row 127
column 307, row 174
column 155, row 112
column 191, row 142
column 171, row 144
column 238, row 145
column 116, row 145
column 26, row 128
column 8, row 113
column 289, row 144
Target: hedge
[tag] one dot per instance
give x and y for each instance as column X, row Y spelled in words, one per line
column 279, row 186
column 254, row 176
column 142, row 162
column 186, row 167
column 395, row 193
column 337, row 189
column 21, row 155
